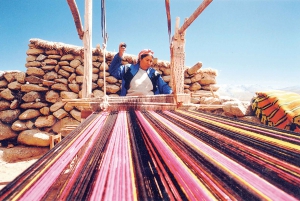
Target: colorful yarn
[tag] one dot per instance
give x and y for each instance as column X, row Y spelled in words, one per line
column 165, row 155
column 115, row 179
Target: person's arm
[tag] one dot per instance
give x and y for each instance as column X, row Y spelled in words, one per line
column 163, row 87
column 116, row 67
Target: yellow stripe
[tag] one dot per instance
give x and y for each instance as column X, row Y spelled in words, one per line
column 287, row 145
column 252, row 126
column 274, row 164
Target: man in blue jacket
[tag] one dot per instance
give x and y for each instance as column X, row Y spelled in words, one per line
column 138, row 79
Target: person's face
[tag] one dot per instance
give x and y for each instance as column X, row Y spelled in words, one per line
column 146, row 62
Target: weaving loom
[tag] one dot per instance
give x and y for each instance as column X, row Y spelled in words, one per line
column 165, row 155
column 278, row 108
column 159, row 148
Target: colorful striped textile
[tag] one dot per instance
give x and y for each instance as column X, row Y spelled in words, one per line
column 278, row 108
column 165, row 155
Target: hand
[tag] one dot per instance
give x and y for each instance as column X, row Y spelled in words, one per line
column 122, row 49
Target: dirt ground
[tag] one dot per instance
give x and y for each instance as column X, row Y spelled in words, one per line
column 10, row 169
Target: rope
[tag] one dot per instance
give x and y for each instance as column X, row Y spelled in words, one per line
column 104, row 105
column 103, row 21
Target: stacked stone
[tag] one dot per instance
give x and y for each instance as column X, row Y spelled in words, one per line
column 200, row 82
column 10, row 97
column 31, row 103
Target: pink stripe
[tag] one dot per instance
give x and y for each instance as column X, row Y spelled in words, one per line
column 39, row 188
column 245, row 148
column 164, row 177
column 101, row 178
column 114, row 181
column 250, row 178
column 82, row 162
column 183, row 176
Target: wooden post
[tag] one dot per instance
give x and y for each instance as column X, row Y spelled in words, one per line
column 178, row 65
column 178, row 55
column 54, row 139
column 178, row 60
column 88, row 54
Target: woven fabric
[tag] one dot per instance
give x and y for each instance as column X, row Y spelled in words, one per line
column 279, row 109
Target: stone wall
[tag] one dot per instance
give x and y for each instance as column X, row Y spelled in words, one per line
column 31, row 102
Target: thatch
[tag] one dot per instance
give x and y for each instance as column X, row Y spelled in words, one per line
column 76, row 50
column 209, row 71
column 79, row 50
column 66, row 48
column 2, row 73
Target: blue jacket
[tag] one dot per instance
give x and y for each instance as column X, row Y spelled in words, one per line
column 128, row 71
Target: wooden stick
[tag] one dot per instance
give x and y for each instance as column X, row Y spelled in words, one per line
column 197, row 12
column 76, row 16
column 4, row 183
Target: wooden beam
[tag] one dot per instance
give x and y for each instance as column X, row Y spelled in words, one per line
column 196, row 13
column 76, row 17
column 88, row 54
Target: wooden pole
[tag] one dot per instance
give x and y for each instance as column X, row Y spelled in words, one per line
column 196, row 13
column 76, row 17
column 88, row 54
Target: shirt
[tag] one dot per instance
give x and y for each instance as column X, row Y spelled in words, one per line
column 140, row 84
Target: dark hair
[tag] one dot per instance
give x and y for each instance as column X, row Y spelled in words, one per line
column 145, row 55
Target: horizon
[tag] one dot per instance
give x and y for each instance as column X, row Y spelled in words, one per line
column 248, row 42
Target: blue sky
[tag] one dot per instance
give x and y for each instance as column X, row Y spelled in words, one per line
column 247, row 41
